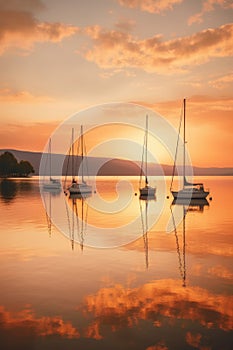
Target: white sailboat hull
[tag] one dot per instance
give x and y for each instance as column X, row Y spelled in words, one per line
column 191, row 193
column 147, row 191
column 80, row 188
column 52, row 185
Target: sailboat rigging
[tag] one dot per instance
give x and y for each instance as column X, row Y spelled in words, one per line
column 190, row 190
column 81, row 187
column 52, row 184
column 146, row 191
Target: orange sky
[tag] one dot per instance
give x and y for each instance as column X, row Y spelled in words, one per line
column 56, row 60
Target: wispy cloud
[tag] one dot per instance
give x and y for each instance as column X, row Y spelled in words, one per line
column 21, row 30
column 208, row 6
column 125, row 25
column 114, row 49
column 7, row 95
column 220, row 271
column 152, row 6
column 222, row 82
column 196, row 103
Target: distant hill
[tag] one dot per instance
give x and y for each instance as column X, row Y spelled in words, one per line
column 108, row 166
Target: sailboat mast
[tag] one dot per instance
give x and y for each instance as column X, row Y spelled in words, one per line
column 72, row 157
column 50, row 162
column 82, row 146
column 146, row 180
column 184, row 141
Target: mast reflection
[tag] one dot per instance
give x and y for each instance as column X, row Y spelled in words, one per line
column 144, row 220
column 77, row 221
column 196, row 205
column 47, row 195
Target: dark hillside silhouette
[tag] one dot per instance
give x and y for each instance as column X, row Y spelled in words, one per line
column 9, row 166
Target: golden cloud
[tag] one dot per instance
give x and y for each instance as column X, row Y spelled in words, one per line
column 42, row 326
column 152, row 6
column 21, row 30
column 116, row 49
column 120, row 307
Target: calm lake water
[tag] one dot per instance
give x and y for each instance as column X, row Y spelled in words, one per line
column 130, row 275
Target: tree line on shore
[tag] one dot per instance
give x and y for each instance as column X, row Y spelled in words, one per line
column 10, row 167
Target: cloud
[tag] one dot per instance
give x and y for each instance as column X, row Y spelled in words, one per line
column 41, row 326
column 9, row 96
column 114, row 49
column 193, row 339
column 220, row 271
column 208, row 6
column 21, row 30
column 125, row 25
column 222, row 82
column 198, row 105
column 151, row 6
column 154, row 301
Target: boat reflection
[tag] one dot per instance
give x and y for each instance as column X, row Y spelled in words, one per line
column 144, row 201
column 193, row 204
column 77, row 220
column 47, row 195
column 181, row 251
column 196, row 205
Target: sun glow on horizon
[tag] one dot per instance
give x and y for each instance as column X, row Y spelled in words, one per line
column 54, row 64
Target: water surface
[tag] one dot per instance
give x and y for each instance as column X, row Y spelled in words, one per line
column 142, row 288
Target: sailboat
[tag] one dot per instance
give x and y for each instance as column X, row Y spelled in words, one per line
column 52, row 184
column 146, row 191
column 79, row 188
column 190, row 190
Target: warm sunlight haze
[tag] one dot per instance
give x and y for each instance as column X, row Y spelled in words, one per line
column 59, row 59
column 116, row 174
